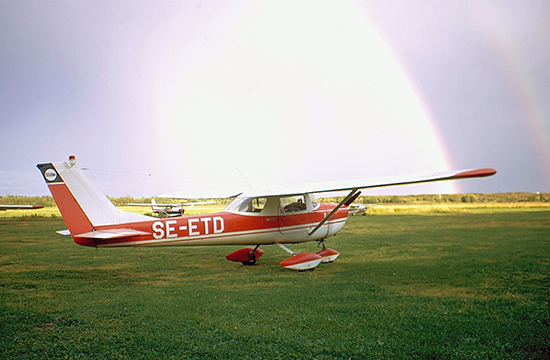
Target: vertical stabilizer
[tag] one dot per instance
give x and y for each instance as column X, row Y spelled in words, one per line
column 80, row 202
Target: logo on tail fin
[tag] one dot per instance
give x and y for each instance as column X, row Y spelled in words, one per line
column 49, row 173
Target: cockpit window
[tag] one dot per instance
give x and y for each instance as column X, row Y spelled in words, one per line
column 256, row 205
column 247, row 204
column 292, row 204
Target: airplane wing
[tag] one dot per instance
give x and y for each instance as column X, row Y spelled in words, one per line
column 344, row 185
column 16, row 207
column 347, row 185
column 355, row 185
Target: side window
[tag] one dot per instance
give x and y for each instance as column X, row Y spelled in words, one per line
column 292, row 204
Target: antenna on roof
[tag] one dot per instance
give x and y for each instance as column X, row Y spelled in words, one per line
column 239, row 171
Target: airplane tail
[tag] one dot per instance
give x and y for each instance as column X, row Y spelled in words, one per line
column 82, row 205
column 154, row 206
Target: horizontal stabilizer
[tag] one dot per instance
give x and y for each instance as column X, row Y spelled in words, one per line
column 112, row 234
column 64, row 232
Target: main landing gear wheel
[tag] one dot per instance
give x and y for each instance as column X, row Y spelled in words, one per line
column 328, row 255
column 247, row 256
column 306, row 261
column 252, row 259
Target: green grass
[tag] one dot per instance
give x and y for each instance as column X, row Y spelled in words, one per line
column 452, row 285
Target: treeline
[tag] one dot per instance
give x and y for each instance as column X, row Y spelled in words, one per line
column 47, row 201
column 450, row 198
column 121, row 201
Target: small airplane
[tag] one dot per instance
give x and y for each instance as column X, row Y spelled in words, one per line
column 357, row 209
column 287, row 215
column 170, row 210
column 19, row 207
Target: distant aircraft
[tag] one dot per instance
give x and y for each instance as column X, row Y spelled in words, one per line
column 19, row 207
column 357, row 209
column 285, row 215
column 170, row 210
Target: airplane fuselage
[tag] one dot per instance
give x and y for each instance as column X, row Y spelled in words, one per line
column 228, row 228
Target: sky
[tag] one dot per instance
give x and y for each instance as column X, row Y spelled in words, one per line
column 160, row 96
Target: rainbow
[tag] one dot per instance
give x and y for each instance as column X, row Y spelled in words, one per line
column 490, row 20
column 504, row 43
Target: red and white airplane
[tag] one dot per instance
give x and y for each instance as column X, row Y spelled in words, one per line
column 287, row 215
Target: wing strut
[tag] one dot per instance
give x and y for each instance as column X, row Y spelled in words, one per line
column 346, row 201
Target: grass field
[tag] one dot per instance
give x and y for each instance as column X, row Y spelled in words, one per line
column 460, row 284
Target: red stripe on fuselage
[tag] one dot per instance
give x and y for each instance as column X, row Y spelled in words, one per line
column 216, row 226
